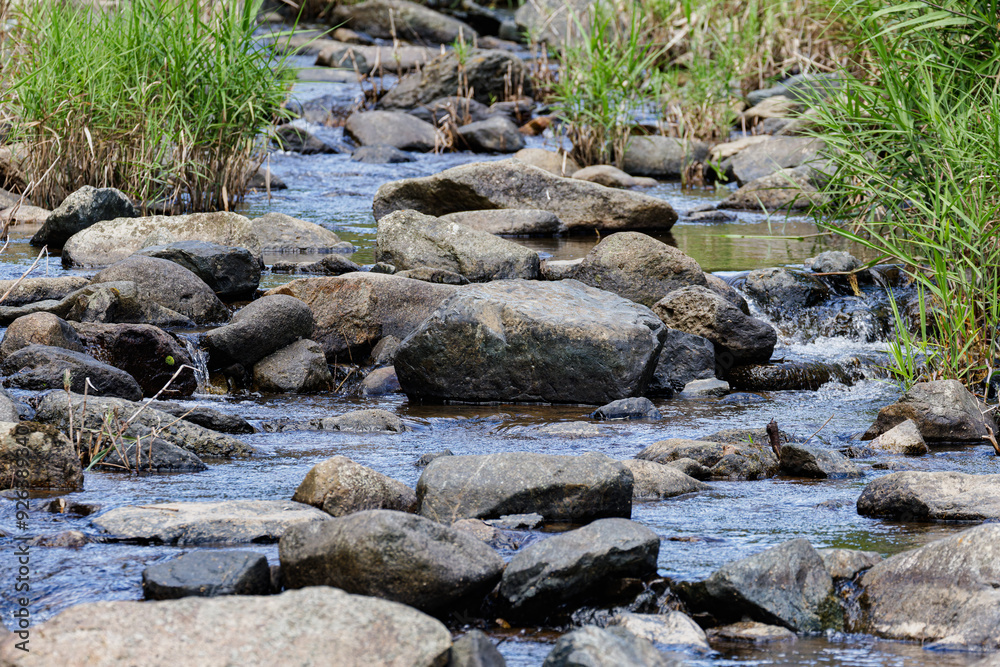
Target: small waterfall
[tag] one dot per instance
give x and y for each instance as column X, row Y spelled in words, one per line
column 199, row 359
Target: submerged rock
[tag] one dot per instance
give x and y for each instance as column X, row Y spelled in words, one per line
column 51, row 461
column 932, row 496
column 339, row 486
column 149, row 454
column 208, row 574
column 674, row 630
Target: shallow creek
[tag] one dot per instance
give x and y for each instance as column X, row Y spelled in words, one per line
column 700, row 532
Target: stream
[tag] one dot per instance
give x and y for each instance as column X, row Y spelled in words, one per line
column 699, row 532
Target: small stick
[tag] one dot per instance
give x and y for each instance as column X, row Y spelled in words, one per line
column 819, row 429
column 993, row 440
column 774, row 436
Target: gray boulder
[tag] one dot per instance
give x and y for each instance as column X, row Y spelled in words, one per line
column 277, row 232
column 705, row 387
column 655, row 481
column 391, row 128
column 433, row 275
column 380, row 154
column 365, row 421
column 80, row 210
column 331, row 265
column 766, row 157
column 684, row 357
column 932, row 496
column 41, row 367
column 903, row 438
column 847, row 563
column 119, row 301
column 297, row 369
column 573, row 489
column 39, row 329
column 149, row 454
column 496, row 134
column 627, row 408
column 782, row 290
column 510, row 221
column 743, row 460
column 803, row 461
column 390, row 555
column 380, row 381
column 591, row 646
column 52, row 461
column 232, row 273
column 339, row 486
column 517, row 340
column 259, row 329
column 207, row 574
column 944, row 411
column 407, row 240
column 206, row 417
column 662, row 157
column 484, row 72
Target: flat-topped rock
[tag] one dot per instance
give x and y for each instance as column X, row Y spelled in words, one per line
column 932, row 496
column 277, row 232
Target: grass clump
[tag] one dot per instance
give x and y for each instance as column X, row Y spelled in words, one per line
column 164, row 99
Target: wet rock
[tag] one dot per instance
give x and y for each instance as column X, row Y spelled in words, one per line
column 742, row 398
column 783, row 290
column 484, row 72
column 689, row 467
column 221, row 522
column 817, row 462
column 727, row 292
column 496, row 134
column 654, row 481
column 785, row 585
column 380, row 154
column 510, row 221
column 932, row 496
column 331, row 265
column 903, row 438
column 474, row 649
column 789, row 375
column 366, row 421
column 571, row 567
column 354, row 311
column 150, row 454
column 390, row 555
column 39, row 329
column 407, row 239
column 674, row 630
column 207, row 574
column 684, row 358
column 627, row 408
column 264, row 179
column 391, row 128
column 944, row 411
column 41, row 367
column 706, row 387
column 297, row 369
column 638, row 267
column 431, row 275
column 354, row 58
column 766, row 157
column 80, row 210
column 846, row 563
column 50, row 462
column 572, row 430
column 339, row 486
column 574, row 489
column 147, row 353
column 277, row 232
column 594, row 647
column 67, row 539
column 170, row 285
column 751, row 632
column 833, row 261
column 738, row 338
column 292, row 628
column 713, row 215
column 734, row 436
column 298, row 137
column 389, row 19
column 200, row 441
column 943, row 592
column 557, row 164
column 517, row 340
column 662, row 157
column 232, row 273
column 784, row 190
column 380, row 381
column 32, row 290
column 425, row 459
column 743, row 460
column 206, row 417
column 513, row 184
column 111, row 241
column 384, row 352
column 559, row 269
column 252, row 335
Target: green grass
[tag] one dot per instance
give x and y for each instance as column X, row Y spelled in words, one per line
column 163, row 99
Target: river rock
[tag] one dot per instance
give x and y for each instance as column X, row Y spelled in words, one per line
column 367, row 58
column 846, row 563
column 738, row 338
column 903, row 438
column 674, row 630
column 41, row 367
column 654, row 481
column 297, row 369
column 432, row 275
column 580, row 205
column 751, row 632
column 803, row 461
column 355, row 311
column 118, row 301
column 147, row 353
column 784, row 190
column 559, row 269
column 200, row 441
column 80, row 210
column 380, row 381
column 784, row 290
column 475, row 649
column 496, row 134
column 31, row 290
column 232, row 273
column 689, row 467
column 594, row 647
column 766, row 157
column 277, row 232
column 932, row 496
column 331, row 265
column 944, row 411
column 743, row 460
column 39, row 329
column 510, row 221
column 207, row 574
column 170, row 285
column 627, row 408
column 517, row 340
column 264, row 326
column 391, row 128
column 638, row 267
column 292, row 628
column 339, row 486
column 219, row 522
column 13, row 411
column 705, row 387
column 785, row 585
column 380, row 154
column 366, row 421
column 574, row 489
column 298, row 136
column 392, row 19
column 684, row 357
column 485, row 73
column 460, row 110
column 943, row 592
column 390, row 555
column 50, row 463
column 662, row 157
column 111, row 241
column 789, row 375
column 557, row 164
column 606, row 175
column 206, row 417
column 804, row 87
column 407, row 239
column 149, row 454
column 560, row 24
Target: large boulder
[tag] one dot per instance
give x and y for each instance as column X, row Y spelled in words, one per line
column 260, row 328
column 40, row 367
column 510, row 221
column 391, row 128
column 301, row 627
column 737, row 337
column 37, row 456
column 944, row 592
column 571, row 568
column 580, row 205
column 517, row 340
column 638, row 267
column 353, row 312
column 591, row 646
column 684, row 358
column 39, row 329
column 207, row 574
column 232, row 273
column 486, row 73
column 339, row 486
column 932, row 496
column 170, row 285
column 944, row 411
column 390, row 555
column 111, row 241
column 277, row 232
column 389, row 19
column 743, row 460
column 407, row 240
column 80, row 210
column 297, row 369
column 573, row 489
column 662, row 157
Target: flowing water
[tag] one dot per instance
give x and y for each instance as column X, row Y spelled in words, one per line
column 700, row 532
